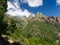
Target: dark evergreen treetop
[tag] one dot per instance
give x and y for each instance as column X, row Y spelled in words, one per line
column 3, row 6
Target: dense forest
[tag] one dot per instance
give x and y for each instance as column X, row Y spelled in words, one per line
column 28, row 31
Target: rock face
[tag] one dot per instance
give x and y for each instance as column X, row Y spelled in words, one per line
column 39, row 17
column 58, row 19
column 54, row 19
column 30, row 17
column 24, row 18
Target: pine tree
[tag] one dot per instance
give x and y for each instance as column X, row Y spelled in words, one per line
column 3, row 9
column 3, row 6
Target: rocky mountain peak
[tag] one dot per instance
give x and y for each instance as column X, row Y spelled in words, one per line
column 30, row 17
column 39, row 14
column 40, row 17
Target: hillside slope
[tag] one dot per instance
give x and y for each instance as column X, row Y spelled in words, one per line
column 38, row 30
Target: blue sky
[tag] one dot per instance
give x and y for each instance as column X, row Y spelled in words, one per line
column 46, row 7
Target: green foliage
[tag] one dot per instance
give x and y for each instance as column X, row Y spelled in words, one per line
column 3, row 8
column 34, row 33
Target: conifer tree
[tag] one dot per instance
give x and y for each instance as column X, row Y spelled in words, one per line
column 3, row 9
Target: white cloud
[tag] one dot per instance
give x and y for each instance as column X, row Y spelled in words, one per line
column 33, row 3
column 58, row 2
column 15, row 10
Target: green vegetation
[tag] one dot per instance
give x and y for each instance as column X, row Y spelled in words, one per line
column 34, row 33
column 3, row 9
column 3, row 6
column 31, row 32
